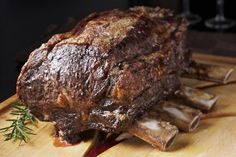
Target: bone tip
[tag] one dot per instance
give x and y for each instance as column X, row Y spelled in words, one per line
column 227, row 76
column 195, row 122
column 171, row 141
column 213, row 102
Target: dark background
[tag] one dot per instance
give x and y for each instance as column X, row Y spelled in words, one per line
column 25, row 24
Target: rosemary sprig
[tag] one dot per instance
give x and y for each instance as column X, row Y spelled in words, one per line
column 19, row 130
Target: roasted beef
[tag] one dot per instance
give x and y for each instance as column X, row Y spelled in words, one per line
column 107, row 71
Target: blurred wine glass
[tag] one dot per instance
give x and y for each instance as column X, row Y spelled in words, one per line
column 219, row 22
column 192, row 18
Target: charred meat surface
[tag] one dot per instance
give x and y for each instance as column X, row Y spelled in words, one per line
column 107, row 71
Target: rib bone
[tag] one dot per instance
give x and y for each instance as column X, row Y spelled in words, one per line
column 160, row 134
column 215, row 73
column 184, row 117
column 197, row 98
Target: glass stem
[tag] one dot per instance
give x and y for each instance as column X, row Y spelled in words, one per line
column 220, row 10
column 186, row 9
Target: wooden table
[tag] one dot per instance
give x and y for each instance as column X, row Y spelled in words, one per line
column 215, row 137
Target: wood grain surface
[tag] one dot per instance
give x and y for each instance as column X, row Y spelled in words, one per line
column 215, row 137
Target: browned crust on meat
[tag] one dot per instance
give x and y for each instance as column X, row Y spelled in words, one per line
column 110, row 62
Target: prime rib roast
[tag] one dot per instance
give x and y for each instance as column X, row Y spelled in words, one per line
column 106, row 72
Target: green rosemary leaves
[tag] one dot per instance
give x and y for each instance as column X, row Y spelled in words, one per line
column 19, row 130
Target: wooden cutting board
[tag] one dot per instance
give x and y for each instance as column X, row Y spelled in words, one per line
column 215, row 137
